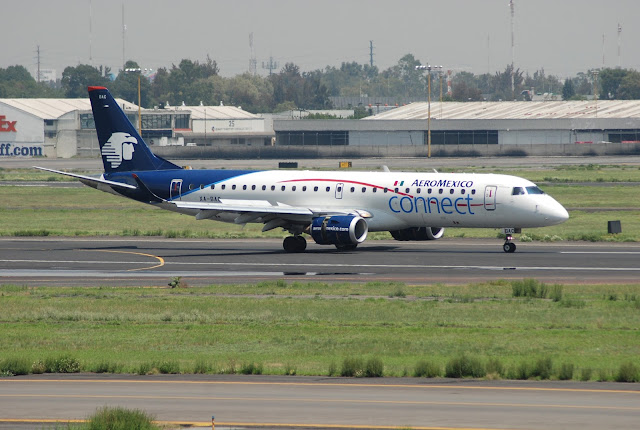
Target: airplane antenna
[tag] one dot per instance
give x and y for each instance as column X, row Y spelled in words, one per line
column 385, row 168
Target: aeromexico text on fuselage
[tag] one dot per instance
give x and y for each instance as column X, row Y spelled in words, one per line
column 402, row 200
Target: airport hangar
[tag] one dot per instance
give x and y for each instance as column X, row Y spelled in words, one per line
column 477, row 128
column 65, row 128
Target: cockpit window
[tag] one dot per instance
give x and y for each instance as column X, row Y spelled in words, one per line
column 517, row 191
column 534, row 190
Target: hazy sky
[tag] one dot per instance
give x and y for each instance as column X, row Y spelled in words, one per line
column 563, row 36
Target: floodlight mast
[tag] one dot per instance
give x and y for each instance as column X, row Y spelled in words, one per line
column 428, row 68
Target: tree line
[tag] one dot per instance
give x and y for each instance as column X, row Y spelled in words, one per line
column 193, row 82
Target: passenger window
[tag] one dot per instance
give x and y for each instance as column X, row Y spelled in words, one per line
column 353, row 189
column 463, row 191
column 315, row 188
column 244, row 187
column 517, row 191
column 283, row 188
column 451, row 191
column 418, row 191
column 233, row 187
column 429, row 191
column 304, row 188
column 385, row 190
column 224, row 186
column 293, row 188
column 406, row 190
column 191, row 186
column 440, row 191
column 364, row 189
column 473, row 191
column 328, row 188
column 213, row 186
column 264, row 187
column 374, row 189
column 253, row 187
column 202, row 186
column 273, row 187
column 395, row 190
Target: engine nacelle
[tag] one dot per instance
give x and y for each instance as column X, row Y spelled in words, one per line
column 339, row 230
column 418, row 233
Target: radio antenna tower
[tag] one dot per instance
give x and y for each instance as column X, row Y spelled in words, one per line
column 253, row 63
column 513, row 49
column 271, row 65
column 619, row 44
column 371, row 53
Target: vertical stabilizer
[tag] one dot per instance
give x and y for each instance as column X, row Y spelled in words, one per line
column 122, row 148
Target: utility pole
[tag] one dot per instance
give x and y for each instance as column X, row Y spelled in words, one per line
column 371, row 53
column 513, row 86
column 252, row 59
column 271, row 65
column 428, row 68
column 38, row 73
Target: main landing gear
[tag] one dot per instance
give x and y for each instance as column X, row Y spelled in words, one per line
column 294, row 244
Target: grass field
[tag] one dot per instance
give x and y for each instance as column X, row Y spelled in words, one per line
column 287, row 328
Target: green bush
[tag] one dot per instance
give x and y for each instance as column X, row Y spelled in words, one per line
column 543, row 368
column 251, row 369
column 15, row 366
column 426, row 369
column 464, row 366
column 118, row 418
column 352, row 367
column 566, row 372
column 522, row 371
column 556, row 292
column 333, row 369
column 38, row 367
column 107, row 367
column 144, row 369
column 494, row 367
column 529, row 288
column 202, row 367
column 169, row 367
column 374, row 368
column 585, row 374
column 628, row 372
column 63, row 364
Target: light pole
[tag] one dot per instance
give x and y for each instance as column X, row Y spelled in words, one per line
column 138, row 70
column 428, row 68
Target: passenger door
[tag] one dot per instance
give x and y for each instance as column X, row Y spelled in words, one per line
column 339, row 190
column 175, row 191
column 490, row 197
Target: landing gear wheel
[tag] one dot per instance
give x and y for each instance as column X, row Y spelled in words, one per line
column 346, row 246
column 509, row 247
column 294, row 244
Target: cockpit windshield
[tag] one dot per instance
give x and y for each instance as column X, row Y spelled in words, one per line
column 519, row 191
column 534, row 190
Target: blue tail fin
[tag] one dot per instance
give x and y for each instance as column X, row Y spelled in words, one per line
column 122, row 148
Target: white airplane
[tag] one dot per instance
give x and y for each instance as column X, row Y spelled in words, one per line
column 335, row 208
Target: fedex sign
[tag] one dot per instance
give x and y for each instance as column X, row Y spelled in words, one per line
column 7, row 126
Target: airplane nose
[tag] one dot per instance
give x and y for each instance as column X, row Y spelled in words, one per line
column 556, row 213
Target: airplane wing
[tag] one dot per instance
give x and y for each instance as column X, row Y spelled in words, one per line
column 272, row 214
column 90, row 181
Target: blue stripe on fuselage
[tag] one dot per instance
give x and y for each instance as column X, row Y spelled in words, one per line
column 159, row 181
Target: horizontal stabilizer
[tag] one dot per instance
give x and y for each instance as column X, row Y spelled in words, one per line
column 89, row 180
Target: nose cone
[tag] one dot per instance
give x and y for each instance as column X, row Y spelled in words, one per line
column 555, row 213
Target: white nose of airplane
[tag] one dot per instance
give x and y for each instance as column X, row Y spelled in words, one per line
column 555, row 213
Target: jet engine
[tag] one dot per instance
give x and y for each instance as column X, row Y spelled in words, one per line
column 418, row 233
column 339, row 230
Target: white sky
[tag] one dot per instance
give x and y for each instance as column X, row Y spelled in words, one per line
column 563, row 36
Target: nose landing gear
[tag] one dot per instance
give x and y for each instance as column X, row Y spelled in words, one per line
column 509, row 246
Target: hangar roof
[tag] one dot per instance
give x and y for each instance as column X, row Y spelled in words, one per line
column 55, row 108
column 216, row 112
column 515, row 110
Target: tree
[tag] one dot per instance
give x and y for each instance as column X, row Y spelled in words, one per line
column 75, row 80
column 502, row 84
column 629, row 88
column 610, row 80
column 567, row 90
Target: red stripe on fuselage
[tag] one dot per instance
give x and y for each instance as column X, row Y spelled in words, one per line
column 349, row 182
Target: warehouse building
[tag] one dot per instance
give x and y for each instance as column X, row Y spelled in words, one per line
column 554, row 127
column 65, row 128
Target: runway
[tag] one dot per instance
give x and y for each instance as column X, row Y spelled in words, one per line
column 154, row 261
column 314, row 402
